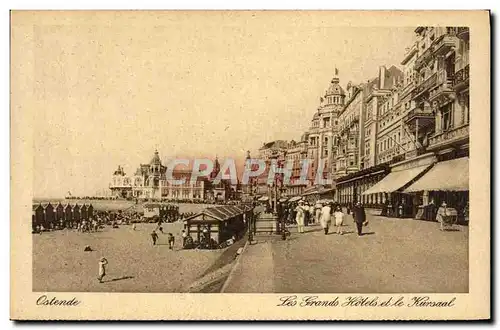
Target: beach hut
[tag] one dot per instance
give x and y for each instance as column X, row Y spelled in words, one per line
column 68, row 215
column 50, row 217
column 77, row 216
column 59, row 214
column 90, row 211
column 83, row 212
column 38, row 216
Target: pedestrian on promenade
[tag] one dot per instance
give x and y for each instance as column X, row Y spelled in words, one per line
column 305, row 207
column 339, row 220
column 359, row 215
column 317, row 210
column 312, row 213
column 285, row 214
column 154, row 237
column 134, row 226
column 300, row 217
column 102, row 269
column 326, row 217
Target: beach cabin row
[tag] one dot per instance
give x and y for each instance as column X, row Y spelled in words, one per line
column 219, row 222
column 51, row 217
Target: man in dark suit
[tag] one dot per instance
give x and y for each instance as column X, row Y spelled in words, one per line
column 359, row 217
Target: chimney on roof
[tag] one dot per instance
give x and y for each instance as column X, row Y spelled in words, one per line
column 381, row 77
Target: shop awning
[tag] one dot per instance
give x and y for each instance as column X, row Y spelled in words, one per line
column 396, row 180
column 295, row 198
column 450, row 175
column 263, row 199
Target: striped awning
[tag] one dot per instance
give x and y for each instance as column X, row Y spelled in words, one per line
column 396, row 180
column 450, row 175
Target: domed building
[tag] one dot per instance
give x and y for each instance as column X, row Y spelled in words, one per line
column 323, row 127
column 150, row 181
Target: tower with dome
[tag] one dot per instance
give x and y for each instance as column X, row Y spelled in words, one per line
column 322, row 129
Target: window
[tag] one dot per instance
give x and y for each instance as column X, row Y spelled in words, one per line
column 447, row 117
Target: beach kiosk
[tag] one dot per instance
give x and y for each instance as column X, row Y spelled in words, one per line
column 219, row 223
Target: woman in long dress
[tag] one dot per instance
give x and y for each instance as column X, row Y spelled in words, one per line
column 317, row 215
column 325, row 218
column 300, row 217
column 339, row 220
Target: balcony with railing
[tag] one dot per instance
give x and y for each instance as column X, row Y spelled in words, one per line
column 453, row 136
column 421, row 117
column 425, row 85
column 444, row 87
column 445, row 42
column 424, row 58
column 440, row 46
column 461, row 79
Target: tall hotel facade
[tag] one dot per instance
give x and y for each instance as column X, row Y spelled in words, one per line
column 399, row 138
column 416, row 142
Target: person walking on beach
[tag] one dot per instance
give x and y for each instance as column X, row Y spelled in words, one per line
column 339, row 220
column 154, row 237
column 102, row 269
column 325, row 218
column 359, row 215
column 171, row 241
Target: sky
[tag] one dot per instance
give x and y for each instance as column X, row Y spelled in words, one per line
column 112, row 89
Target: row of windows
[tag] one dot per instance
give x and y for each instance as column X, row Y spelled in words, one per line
column 389, row 120
column 389, row 142
column 333, row 99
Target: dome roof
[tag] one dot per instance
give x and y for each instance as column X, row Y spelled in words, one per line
column 335, row 88
column 156, row 159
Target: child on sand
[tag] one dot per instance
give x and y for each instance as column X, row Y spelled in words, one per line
column 102, row 269
column 171, row 241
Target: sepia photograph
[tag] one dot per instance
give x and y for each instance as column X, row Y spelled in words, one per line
column 318, row 157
